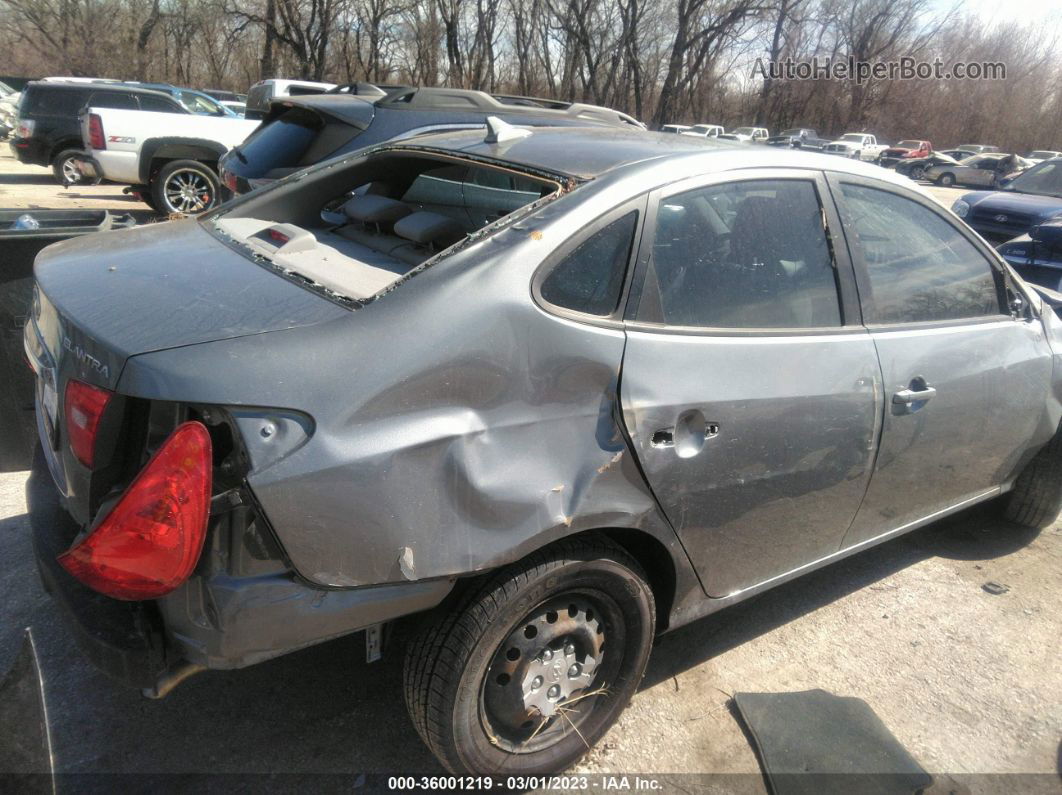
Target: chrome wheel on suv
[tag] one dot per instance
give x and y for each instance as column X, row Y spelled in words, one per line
column 185, row 187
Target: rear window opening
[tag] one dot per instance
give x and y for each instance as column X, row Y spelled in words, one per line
column 358, row 230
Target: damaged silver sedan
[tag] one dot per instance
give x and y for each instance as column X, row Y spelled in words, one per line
column 549, row 394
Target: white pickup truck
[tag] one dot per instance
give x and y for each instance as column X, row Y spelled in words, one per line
column 170, row 159
column 858, row 146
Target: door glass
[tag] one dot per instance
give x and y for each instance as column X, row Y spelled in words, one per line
column 590, row 278
column 921, row 268
column 157, row 104
column 749, row 254
column 112, row 99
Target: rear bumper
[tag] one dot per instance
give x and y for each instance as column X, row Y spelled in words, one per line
column 215, row 620
column 26, row 152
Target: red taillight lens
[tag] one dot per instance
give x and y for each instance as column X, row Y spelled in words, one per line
column 84, row 409
column 278, row 237
column 95, row 126
column 230, row 180
column 151, row 540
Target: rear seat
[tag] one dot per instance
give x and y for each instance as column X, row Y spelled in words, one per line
column 392, row 228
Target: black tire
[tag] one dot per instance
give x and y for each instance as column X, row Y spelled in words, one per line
column 62, row 167
column 918, row 172
column 1036, row 499
column 185, row 187
column 946, row 180
column 146, row 197
column 468, row 695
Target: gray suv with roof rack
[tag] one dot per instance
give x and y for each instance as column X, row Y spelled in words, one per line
column 299, row 132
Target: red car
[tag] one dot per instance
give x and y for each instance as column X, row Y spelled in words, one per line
column 904, row 149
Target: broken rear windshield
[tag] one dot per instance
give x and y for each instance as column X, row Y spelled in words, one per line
column 357, row 230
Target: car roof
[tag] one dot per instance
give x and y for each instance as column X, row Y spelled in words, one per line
column 121, row 87
column 590, row 152
column 451, row 100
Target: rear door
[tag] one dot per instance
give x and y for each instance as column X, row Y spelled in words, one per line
column 749, row 387
column 966, row 384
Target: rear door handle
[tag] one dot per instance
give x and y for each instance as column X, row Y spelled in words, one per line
column 909, row 396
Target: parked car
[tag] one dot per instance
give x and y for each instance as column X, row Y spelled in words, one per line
column 195, row 101
column 977, row 170
column 1040, row 155
column 860, row 146
column 1037, row 255
column 225, row 96
column 300, row 132
column 915, row 167
column 238, row 108
column 904, row 150
column 978, row 149
column 1026, row 201
column 170, row 160
column 265, row 91
column 756, row 135
column 704, row 130
column 264, row 453
column 674, row 128
column 798, row 138
column 48, row 132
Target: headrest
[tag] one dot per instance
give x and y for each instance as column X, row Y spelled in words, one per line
column 371, row 209
column 427, row 228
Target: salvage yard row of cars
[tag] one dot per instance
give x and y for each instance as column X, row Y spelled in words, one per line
column 247, row 447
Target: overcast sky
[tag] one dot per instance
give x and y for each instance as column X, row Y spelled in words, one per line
column 1022, row 10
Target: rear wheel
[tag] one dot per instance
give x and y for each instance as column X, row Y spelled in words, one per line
column 63, row 168
column 918, row 172
column 185, row 187
column 946, row 180
column 1036, row 499
column 533, row 667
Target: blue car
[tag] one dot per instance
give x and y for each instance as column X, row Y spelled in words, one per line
column 1026, row 201
column 195, row 101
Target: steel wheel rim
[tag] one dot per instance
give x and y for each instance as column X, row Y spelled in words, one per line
column 187, row 192
column 567, row 655
column 70, row 172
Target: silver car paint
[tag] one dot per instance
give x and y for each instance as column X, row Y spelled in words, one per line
column 458, row 426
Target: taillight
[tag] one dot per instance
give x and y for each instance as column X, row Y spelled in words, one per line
column 84, row 407
column 25, row 128
column 95, row 127
column 230, row 180
column 151, row 540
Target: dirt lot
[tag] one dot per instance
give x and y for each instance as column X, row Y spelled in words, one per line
column 968, row 681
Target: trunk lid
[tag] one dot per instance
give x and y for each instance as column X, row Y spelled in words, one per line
column 162, row 286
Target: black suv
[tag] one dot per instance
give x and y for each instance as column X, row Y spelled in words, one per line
column 48, row 132
column 298, row 132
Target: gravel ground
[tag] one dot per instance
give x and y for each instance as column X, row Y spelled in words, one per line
column 969, row 682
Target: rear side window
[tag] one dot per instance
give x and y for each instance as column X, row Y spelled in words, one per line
column 920, row 267
column 259, row 96
column 302, row 91
column 113, row 99
column 157, row 104
column 749, row 254
column 53, row 101
column 590, row 278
